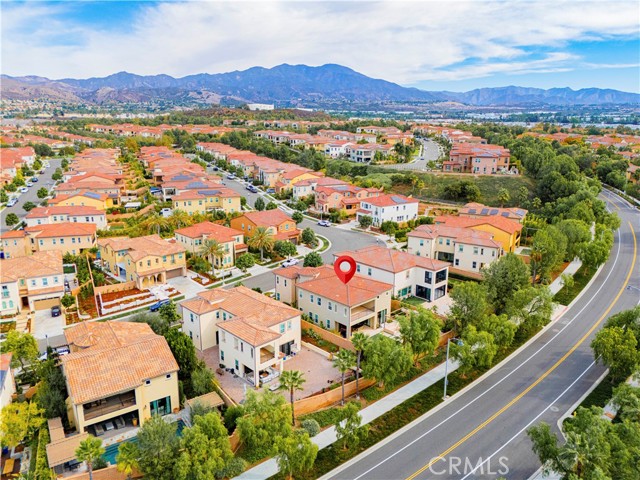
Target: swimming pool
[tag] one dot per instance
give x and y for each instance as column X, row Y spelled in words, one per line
column 111, row 451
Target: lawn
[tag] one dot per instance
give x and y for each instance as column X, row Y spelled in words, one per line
column 414, row 301
column 580, row 279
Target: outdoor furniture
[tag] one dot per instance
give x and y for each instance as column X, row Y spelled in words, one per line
column 119, row 422
column 99, row 430
column 8, row 466
column 109, row 426
column 274, row 387
column 220, row 371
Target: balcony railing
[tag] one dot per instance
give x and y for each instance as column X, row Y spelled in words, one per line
column 109, row 405
column 358, row 313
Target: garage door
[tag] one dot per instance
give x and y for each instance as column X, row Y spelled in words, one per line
column 176, row 272
column 46, row 303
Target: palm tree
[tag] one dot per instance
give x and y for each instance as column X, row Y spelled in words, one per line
column 127, row 458
column 180, row 218
column 291, row 380
column 261, row 239
column 359, row 341
column 89, row 450
column 156, row 222
column 212, row 250
column 343, row 361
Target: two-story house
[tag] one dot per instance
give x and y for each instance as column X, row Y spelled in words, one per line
column 73, row 238
column 31, row 283
column 147, row 261
column 207, row 200
column 343, row 197
column 278, row 223
column 231, row 241
column 390, row 207
column 409, row 274
column 14, row 243
column 254, row 334
column 321, row 295
column 118, row 373
column 465, row 248
column 505, row 231
column 71, row 214
column 99, row 201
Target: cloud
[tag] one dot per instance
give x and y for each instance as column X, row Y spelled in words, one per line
column 405, row 42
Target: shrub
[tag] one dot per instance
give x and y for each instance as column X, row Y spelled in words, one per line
column 311, row 426
column 234, row 468
column 231, row 415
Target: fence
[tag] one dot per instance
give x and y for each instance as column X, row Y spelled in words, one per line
column 116, row 287
column 328, row 336
column 322, row 400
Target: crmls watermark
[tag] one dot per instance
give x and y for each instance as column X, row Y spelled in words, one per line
column 464, row 466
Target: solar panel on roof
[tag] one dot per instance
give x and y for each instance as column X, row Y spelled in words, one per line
column 472, row 210
column 92, row 195
column 485, row 211
column 493, row 212
column 505, row 214
column 398, row 199
column 520, row 212
column 208, row 192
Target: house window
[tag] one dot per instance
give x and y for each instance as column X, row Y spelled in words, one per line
column 475, row 250
column 369, row 271
column 235, row 344
column 161, row 407
column 319, row 301
column 33, row 283
column 167, row 376
column 45, row 282
column 242, row 346
column 428, row 277
column 282, row 328
column 147, row 382
column 277, row 280
column 329, row 305
column 289, row 325
column 311, row 297
column 285, row 282
column 237, row 365
column 73, row 239
column 473, row 265
column 358, row 268
column 328, row 323
column 422, row 243
column 460, row 248
column 191, row 316
column 448, row 241
column 222, row 355
column 457, row 262
column 218, row 314
column 439, row 241
column 300, row 295
column 41, row 242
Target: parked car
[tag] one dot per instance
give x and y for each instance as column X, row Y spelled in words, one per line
column 23, row 189
column 165, row 212
column 324, row 223
column 249, row 186
column 12, row 202
column 290, row 262
column 231, row 176
column 34, row 179
column 56, row 311
column 215, row 169
column 252, row 189
column 29, row 184
column 41, row 171
column 156, row 306
column 271, row 190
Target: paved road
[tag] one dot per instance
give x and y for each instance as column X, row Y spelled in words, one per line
column 44, row 180
column 431, row 151
column 485, row 425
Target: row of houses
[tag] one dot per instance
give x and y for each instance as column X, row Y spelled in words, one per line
column 131, row 130
column 12, row 160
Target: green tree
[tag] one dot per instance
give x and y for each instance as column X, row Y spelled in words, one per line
column 290, row 381
column 155, row 223
column 23, row 346
column 349, row 429
column 271, row 206
column 547, row 252
column 57, row 174
column 469, row 305
column 530, row 308
column 205, row 449
column 11, row 219
column 365, row 221
column 28, row 206
column 19, row 422
column 297, row 217
column 158, row 445
column 202, row 380
column 261, row 239
column 626, row 398
column 420, row 332
column 343, row 361
column 476, row 350
column 313, row 259
column 127, row 458
column 504, row 277
column 502, row 329
column 179, row 218
column 245, row 261
column 265, row 418
column 385, row 360
column 42, row 192
column 213, row 251
column 89, row 450
column 503, row 196
column 184, row 352
column 578, row 236
column 522, row 196
column 359, row 341
column 285, row 248
column 169, row 313
column 309, row 237
column 259, row 204
column 295, row 454
column 67, row 300
column 4, row 198
column 617, row 348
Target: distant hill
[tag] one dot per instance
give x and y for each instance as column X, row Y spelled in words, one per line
column 288, row 84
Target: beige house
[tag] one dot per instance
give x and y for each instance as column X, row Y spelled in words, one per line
column 465, row 248
column 35, row 282
column 204, row 201
column 118, row 373
column 147, row 261
column 321, row 295
column 254, row 333
column 65, row 237
column 14, row 243
column 231, row 241
column 62, row 214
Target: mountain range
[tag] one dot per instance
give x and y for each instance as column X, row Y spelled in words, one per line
column 287, row 85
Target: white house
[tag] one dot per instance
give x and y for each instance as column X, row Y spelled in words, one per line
column 409, row 274
column 63, row 214
column 390, row 207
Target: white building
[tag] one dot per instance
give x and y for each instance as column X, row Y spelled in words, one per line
column 409, row 274
column 260, row 106
column 390, row 207
column 66, row 214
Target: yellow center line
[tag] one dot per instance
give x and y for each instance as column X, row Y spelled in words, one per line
column 541, row 378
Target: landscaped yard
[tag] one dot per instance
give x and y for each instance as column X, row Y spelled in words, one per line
column 580, row 279
column 309, row 336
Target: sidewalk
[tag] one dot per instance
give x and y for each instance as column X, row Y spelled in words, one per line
column 571, row 269
column 325, row 438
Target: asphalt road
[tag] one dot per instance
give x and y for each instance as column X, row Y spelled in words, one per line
column 340, row 239
column 431, row 151
column 481, row 433
column 44, row 180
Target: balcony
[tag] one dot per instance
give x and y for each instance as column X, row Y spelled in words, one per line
column 267, row 354
column 360, row 312
column 109, row 405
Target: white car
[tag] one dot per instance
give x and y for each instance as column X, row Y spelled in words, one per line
column 29, row 184
column 23, row 189
column 324, row 223
column 290, row 262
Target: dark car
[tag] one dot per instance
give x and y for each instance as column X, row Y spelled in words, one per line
column 56, row 311
column 156, row 306
column 34, row 179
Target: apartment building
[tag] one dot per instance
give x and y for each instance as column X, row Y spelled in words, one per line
column 278, row 223
column 254, row 333
column 409, row 274
column 66, row 214
column 231, row 241
column 118, row 371
column 390, row 207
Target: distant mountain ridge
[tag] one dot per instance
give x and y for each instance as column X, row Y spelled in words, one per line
column 291, row 85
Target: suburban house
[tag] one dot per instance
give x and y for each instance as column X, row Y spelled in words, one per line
column 207, row 200
column 465, row 248
column 7, row 381
column 254, row 333
column 366, row 153
column 290, row 178
column 99, row 201
column 118, row 372
column 390, row 207
column 278, row 223
column 409, row 274
column 343, row 197
column 231, row 241
column 308, row 187
column 147, row 261
column 482, row 159
column 14, row 243
column 62, row 214
column 31, row 283
column 478, row 210
column 506, row 232
column 321, row 295
column 66, row 237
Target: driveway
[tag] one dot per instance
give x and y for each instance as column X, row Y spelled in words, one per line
column 186, row 286
column 46, row 326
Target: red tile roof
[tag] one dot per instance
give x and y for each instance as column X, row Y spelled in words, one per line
column 501, row 223
column 389, row 200
column 64, row 229
column 211, row 230
column 392, row 260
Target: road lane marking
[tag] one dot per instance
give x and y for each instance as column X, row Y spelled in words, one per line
column 518, row 397
column 534, row 354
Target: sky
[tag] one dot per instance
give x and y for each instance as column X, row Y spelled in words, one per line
column 433, row 45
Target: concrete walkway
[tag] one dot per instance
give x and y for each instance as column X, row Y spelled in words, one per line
column 571, row 269
column 327, row 437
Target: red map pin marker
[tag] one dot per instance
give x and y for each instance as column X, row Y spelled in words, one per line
column 345, row 276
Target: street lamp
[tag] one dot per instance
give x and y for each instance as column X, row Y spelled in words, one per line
column 446, row 365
